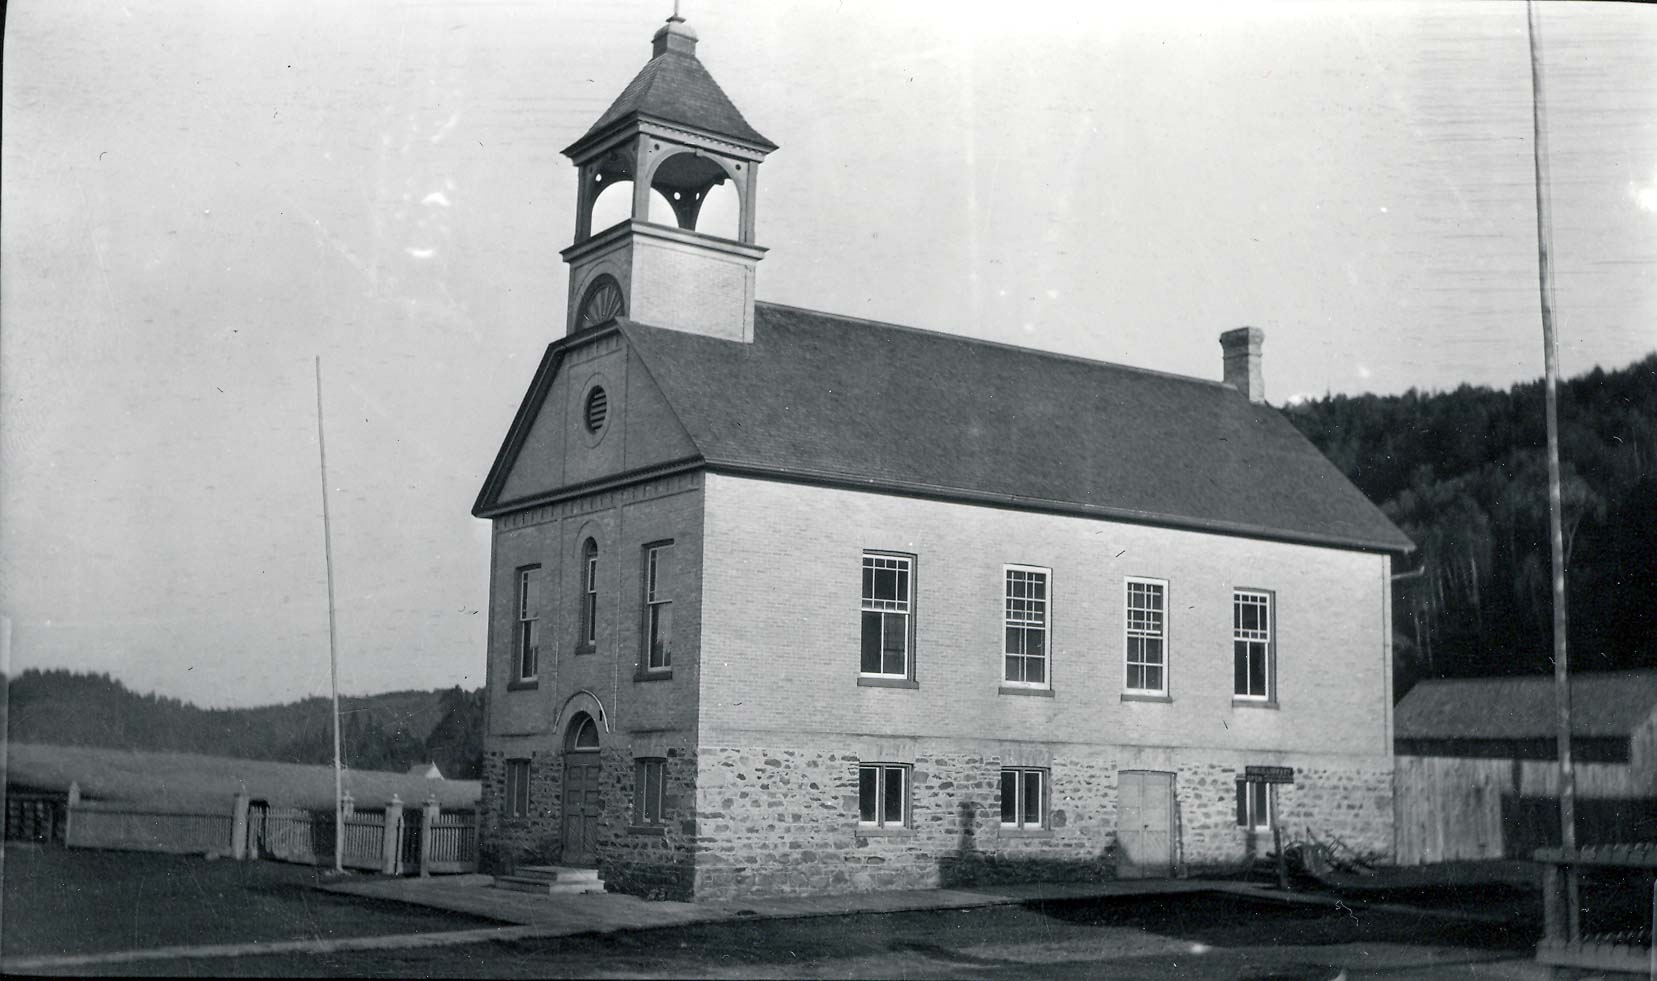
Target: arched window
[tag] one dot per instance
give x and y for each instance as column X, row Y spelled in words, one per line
column 589, row 596
column 583, row 734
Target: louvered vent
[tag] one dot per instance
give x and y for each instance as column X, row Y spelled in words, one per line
column 598, row 406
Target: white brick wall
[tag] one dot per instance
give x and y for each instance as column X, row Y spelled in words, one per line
column 780, row 632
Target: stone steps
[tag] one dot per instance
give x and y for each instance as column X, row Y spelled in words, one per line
column 551, row 880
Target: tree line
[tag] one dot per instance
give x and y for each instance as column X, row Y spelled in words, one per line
column 1464, row 474
column 389, row 731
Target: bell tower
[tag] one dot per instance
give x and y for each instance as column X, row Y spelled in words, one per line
column 669, row 142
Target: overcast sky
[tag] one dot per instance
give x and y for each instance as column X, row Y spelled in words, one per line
column 201, row 196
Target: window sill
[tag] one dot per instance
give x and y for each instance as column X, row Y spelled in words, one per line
column 1253, row 703
column 870, row 831
column 875, row 681
column 648, row 830
column 1021, row 690
column 585, row 649
column 1011, row 832
column 523, row 684
column 658, row 674
column 1145, row 696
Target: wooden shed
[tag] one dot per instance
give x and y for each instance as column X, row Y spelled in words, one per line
column 1477, row 773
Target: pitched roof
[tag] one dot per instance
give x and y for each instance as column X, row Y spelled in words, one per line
column 1611, row 703
column 674, row 87
column 837, row 399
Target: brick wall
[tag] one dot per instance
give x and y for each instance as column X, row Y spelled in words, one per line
column 651, row 716
column 780, row 598
column 763, row 723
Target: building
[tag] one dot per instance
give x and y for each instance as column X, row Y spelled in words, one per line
column 784, row 601
column 1478, row 770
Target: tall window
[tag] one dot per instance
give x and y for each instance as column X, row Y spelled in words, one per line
column 658, row 607
column 1254, row 804
column 883, row 795
column 517, row 788
column 1147, row 629
column 529, row 622
column 1023, row 798
column 648, row 796
column 888, row 595
column 1251, row 633
column 1026, row 623
column 589, row 595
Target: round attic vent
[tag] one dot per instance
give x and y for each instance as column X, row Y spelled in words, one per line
column 598, row 408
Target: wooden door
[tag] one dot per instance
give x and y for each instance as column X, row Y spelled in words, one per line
column 1145, row 823
column 580, row 808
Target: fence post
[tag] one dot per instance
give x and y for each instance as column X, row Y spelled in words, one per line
column 392, row 840
column 348, row 804
column 69, row 814
column 238, row 827
column 428, row 827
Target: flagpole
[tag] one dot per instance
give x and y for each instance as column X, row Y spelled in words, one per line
column 333, row 641
column 1550, row 351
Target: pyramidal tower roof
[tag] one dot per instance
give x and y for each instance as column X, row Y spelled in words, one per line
column 675, row 88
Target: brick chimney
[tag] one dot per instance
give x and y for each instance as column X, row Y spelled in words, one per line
column 1242, row 361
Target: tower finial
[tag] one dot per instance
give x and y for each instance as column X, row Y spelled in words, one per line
column 675, row 35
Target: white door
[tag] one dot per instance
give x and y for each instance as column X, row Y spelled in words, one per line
column 1145, row 823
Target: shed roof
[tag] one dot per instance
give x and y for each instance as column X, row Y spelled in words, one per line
column 1612, row 703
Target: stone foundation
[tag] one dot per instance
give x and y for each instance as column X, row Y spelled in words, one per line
column 751, row 822
column 654, row 862
column 784, row 821
column 506, row 842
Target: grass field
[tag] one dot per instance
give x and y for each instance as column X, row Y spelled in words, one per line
column 59, row 901
column 193, row 780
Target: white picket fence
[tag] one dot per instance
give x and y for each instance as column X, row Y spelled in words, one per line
column 393, row 841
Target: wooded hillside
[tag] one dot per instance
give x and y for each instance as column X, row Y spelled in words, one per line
column 390, row 731
column 1464, row 474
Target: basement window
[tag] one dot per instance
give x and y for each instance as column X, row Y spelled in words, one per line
column 649, row 775
column 1254, row 805
column 517, row 788
column 1023, row 798
column 882, row 795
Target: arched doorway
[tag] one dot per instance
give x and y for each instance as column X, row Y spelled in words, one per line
column 581, row 798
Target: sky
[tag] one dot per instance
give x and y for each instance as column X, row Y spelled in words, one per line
column 199, row 197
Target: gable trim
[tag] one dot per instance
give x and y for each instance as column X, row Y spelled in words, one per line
column 628, row 479
column 528, row 410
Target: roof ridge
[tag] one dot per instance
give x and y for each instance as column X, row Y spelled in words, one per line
column 1002, row 345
